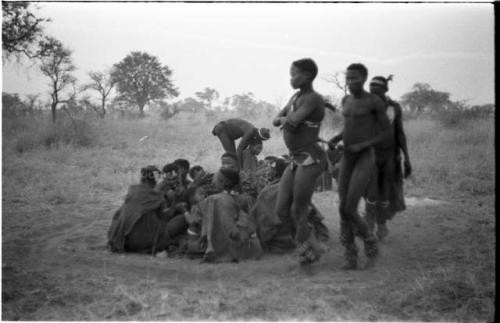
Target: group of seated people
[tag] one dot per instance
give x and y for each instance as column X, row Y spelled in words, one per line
column 225, row 216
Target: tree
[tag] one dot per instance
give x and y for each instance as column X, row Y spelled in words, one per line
column 103, row 84
column 422, row 96
column 246, row 104
column 207, row 96
column 191, row 105
column 242, row 103
column 337, row 79
column 57, row 64
column 22, row 31
column 141, row 78
column 12, row 105
column 30, row 102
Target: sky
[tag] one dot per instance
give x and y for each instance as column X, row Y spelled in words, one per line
column 248, row 47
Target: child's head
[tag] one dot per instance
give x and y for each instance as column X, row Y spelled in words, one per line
column 182, row 166
column 150, row 175
column 194, row 195
column 256, row 148
column 302, row 72
column 195, row 171
column 231, row 178
column 170, row 171
column 276, row 169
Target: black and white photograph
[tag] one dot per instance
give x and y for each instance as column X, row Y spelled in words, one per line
column 248, row 161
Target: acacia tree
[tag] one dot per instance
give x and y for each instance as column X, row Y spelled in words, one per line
column 424, row 96
column 207, row 96
column 103, row 83
column 22, row 31
column 141, row 78
column 57, row 64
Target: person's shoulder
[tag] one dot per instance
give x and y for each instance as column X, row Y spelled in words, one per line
column 345, row 98
column 314, row 97
column 378, row 102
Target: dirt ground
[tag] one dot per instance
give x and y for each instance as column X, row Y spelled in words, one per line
column 55, row 266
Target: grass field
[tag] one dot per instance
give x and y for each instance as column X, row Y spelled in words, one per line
column 60, row 188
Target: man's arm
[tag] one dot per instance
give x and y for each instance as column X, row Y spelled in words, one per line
column 401, row 137
column 244, row 143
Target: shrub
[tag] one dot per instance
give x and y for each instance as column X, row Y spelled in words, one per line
column 43, row 133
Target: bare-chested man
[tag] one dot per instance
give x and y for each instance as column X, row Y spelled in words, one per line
column 301, row 119
column 365, row 124
column 230, row 130
column 385, row 194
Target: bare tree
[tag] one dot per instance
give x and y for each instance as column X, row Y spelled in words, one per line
column 57, row 64
column 30, row 102
column 337, row 79
column 102, row 83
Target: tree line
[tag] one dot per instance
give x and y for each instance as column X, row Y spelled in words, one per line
column 140, row 79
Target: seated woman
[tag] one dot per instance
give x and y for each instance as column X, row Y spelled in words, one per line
column 145, row 222
column 273, row 235
column 226, row 231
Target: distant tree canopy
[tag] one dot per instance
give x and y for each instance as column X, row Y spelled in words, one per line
column 423, row 96
column 22, row 31
column 207, row 96
column 191, row 105
column 141, row 78
column 246, row 105
column 57, row 64
column 11, row 105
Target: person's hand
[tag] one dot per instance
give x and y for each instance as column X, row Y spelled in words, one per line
column 279, row 121
column 332, row 144
column 408, row 168
column 355, row 148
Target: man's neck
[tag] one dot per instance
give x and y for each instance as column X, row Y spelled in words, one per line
column 359, row 94
column 306, row 88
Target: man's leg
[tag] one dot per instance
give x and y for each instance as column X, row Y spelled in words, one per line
column 387, row 177
column 227, row 143
column 346, row 226
column 371, row 199
column 358, row 184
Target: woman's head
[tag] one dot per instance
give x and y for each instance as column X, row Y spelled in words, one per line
column 303, row 72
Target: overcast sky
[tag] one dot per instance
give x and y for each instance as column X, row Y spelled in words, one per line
column 242, row 47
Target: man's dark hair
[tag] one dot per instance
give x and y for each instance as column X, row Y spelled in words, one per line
column 358, row 67
column 307, row 65
column 230, row 155
column 184, row 163
column 169, row 167
column 279, row 165
column 232, row 178
column 194, row 169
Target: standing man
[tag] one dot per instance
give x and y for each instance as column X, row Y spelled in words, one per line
column 365, row 124
column 230, row 130
column 385, row 195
